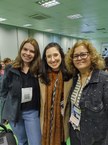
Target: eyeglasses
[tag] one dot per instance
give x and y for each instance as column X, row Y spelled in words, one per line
column 82, row 55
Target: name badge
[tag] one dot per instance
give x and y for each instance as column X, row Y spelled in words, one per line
column 26, row 95
column 75, row 116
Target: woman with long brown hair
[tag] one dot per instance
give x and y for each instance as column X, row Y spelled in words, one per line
column 54, row 85
column 21, row 94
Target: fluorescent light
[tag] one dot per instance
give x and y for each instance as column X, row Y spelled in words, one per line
column 2, row 19
column 27, row 25
column 48, row 3
column 76, row 16
column 49, row 30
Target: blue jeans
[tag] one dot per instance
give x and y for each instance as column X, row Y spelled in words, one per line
column 27, row 129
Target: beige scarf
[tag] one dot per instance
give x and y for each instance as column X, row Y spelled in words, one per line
column 54, row 136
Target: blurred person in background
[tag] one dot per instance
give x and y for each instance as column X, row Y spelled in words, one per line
column 7, row 61
column 106, row 64
column 1, row 76
column 3, row 66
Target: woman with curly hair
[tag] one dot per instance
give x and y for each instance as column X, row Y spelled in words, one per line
column 88, row 95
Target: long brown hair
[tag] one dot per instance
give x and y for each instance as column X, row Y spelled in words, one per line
column 45, row 68
column 35, row 64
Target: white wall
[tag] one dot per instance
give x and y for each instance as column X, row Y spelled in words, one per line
column 21, row 35
column 8, row 42
column 11, row 38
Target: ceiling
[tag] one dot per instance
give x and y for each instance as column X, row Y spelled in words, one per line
column 92, row 24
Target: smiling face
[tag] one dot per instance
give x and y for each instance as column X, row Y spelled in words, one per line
column 27, row 53
column 53, row 58
column 81, row 59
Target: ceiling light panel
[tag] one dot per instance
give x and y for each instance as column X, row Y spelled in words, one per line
column 2, row 19
column 27, row 25
column 47, row 3
column 76, row 16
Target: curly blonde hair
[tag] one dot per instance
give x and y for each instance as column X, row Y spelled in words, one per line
column 97, row 62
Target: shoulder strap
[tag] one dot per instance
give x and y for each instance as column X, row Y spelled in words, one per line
column 4, row 127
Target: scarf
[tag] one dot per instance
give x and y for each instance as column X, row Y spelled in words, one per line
column 53, row 127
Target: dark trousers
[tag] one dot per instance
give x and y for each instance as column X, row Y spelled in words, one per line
column 74, row 136
column 63, row 143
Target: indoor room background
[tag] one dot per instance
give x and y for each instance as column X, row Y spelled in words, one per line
column 11, row 38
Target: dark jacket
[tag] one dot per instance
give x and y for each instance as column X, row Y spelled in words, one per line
column 11, row 94
column 1, row 77
column 94, row 109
